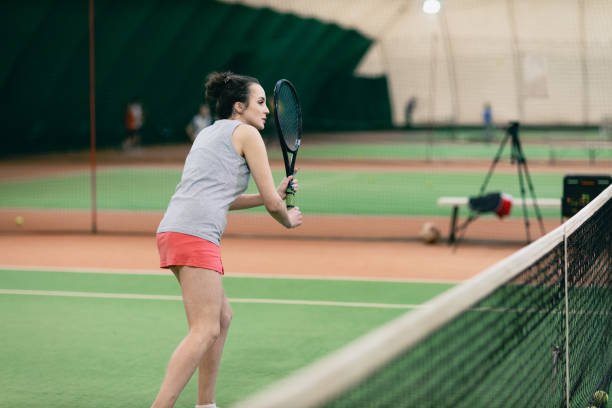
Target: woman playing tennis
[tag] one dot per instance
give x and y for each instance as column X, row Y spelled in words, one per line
column 215, row 176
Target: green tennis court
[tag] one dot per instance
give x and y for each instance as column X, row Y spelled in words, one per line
column 103, row 340
column 322, row 191
column 447, row 150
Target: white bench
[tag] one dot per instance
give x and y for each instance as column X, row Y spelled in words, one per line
column 456, row 202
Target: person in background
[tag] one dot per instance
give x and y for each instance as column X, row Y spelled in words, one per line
column 215, row 176
column 487, row 119
column 134, row 120
column 199, row 121
column 410, row 107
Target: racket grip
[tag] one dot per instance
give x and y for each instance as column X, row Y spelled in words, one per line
column 290, row 198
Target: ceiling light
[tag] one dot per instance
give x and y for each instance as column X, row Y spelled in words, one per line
column 431, row 6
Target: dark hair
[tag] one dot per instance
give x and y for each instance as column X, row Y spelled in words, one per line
column 223, row 89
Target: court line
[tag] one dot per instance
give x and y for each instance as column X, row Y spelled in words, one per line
column 178, row 298
column 133, row 296
column 40, row 268
column 71, row 269
column 342, row 278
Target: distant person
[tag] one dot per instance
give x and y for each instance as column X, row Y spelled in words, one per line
column 199, row 121
column 134, row 120
column 410, row 107
column 487, row 119
column 215, row 176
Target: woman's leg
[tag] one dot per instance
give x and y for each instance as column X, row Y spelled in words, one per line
column 203, row 299
column 209, row 366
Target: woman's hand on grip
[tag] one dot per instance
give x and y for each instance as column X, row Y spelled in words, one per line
column 295, row 217
column 284, row 184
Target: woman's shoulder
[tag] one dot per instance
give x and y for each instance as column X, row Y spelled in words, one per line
column 244, row 127
column 230, row 124
column 244, row 131
column 245, row 135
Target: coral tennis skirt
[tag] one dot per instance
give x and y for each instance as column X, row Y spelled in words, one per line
column 182, row 249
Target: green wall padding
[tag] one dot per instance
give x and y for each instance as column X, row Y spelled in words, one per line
column 160, row 52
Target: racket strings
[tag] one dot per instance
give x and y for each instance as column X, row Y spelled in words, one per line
column 288, row 116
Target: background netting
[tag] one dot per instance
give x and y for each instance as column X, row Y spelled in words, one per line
column 389, row 94
column 542, row 62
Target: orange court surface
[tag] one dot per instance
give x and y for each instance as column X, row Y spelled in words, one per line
column 137, row 253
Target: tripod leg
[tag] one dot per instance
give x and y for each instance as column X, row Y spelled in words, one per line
column 453, row 225
column 522, row 186
column 522, row 162
column 462, row 228
column 533, row 196
column 495, row 160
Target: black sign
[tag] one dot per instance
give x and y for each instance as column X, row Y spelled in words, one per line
column 579, row 190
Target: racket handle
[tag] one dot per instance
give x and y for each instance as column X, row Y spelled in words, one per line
column 290, row 198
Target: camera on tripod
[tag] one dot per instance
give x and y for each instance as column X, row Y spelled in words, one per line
column 500, row 203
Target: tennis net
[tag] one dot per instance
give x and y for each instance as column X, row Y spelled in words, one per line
column 533, row 330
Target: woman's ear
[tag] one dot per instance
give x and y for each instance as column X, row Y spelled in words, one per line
column 239, row 107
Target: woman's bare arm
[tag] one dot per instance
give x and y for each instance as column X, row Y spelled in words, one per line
column 248, row 143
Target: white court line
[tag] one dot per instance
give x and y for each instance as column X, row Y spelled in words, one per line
column 119, row 271
column 86, row 294
column 341, row 278
column 327, row 303
column 178, row 298
column 276, row 301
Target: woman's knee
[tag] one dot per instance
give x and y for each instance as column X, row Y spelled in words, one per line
column 226, row 317
column 206, row 334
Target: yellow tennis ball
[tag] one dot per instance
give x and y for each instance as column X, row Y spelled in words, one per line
column 19, row 220
column 600, row 398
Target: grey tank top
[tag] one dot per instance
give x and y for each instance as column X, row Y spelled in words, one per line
column 214, row 176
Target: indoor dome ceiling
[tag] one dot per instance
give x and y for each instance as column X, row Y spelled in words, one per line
column 542, row 62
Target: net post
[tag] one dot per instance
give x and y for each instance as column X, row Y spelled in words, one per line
column 565, row 267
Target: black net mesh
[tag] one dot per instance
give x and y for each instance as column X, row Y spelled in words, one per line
column 541, row 338
column 590, row 306
column 506, row 351
column 509, row 350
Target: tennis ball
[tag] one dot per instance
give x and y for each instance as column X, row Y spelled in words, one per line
column 430, row 233
column 600, row 398
column 19, row 220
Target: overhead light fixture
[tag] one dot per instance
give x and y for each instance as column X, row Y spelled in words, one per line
column 431, row 6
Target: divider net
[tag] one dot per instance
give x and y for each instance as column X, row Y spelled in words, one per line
column 533, row 330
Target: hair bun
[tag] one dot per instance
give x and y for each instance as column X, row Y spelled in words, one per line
column 223, row 89
column 215, row 82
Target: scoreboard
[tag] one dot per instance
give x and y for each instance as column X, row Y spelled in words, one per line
column 579, row 190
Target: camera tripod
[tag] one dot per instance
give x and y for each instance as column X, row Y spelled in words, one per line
column 516, row 155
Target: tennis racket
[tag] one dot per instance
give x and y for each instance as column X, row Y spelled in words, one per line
column 288, row 120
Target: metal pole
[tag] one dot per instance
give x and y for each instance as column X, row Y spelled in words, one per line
column 92, row 113
column 583, row 63
column 516, row 53
column 433, row 69
column 452, row 74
